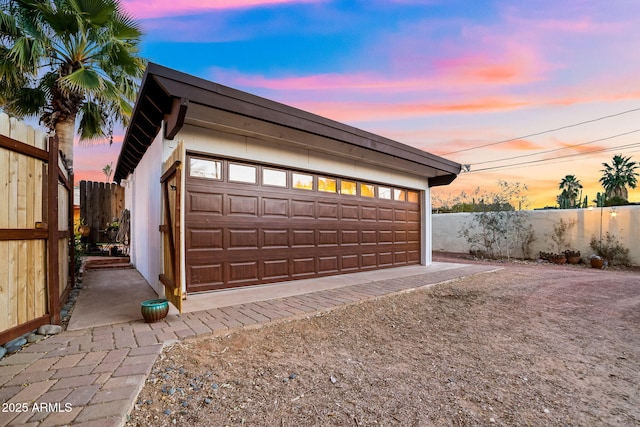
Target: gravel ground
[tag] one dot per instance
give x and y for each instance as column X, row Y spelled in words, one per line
column 527, row 345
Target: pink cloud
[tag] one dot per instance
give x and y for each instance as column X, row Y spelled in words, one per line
column 145, row 9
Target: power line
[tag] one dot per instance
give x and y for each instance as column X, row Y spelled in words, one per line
column 543, row 132
column 531, row 162
column 558, row 149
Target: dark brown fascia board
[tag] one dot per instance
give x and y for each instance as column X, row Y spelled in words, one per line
column 175, row 119
column 210, row 95
column 437, row 181
column 162, row 85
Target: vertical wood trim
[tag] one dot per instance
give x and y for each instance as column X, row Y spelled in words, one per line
column 72, row 236
column 53, row 238
column 176, row 236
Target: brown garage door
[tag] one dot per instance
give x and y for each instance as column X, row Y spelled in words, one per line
column 250, row 224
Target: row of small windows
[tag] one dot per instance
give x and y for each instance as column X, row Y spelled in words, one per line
column 243, row 173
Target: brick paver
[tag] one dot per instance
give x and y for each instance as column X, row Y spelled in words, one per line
column 100, row 371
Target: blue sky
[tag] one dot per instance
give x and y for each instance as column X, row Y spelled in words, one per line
column 442, row 76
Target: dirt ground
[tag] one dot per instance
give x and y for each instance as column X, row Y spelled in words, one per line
column 527, row 345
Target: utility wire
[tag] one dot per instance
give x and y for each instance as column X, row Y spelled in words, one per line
column 531, row 162
column 557, row 149
column 543, row 132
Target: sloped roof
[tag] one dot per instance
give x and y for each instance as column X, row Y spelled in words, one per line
column 166, row 94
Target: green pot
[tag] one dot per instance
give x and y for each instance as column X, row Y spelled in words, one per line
column 154, row 310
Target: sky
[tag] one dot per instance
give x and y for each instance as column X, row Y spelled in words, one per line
column 519, row 90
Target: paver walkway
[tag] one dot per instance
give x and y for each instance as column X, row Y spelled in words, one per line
column 91, row 377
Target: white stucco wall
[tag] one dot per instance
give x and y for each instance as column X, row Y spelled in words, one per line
column 625, row 225
column 143, row 199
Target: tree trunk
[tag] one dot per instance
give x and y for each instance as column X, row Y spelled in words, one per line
column 65, row 131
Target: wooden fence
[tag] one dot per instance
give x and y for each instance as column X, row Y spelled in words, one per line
column 36, row 219
column 100, row 204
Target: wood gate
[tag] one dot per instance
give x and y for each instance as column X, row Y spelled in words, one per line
column 36, row 219
column 171, row 278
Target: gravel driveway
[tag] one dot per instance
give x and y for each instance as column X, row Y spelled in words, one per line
column 527, row 345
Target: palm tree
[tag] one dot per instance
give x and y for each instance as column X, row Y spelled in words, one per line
column 570, row 187
column 67, row 59
column 617, row 176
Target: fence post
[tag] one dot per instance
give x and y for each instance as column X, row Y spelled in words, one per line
column 53, row 282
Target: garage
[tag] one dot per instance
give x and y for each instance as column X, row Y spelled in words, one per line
column 249, row 224
column 227, row 189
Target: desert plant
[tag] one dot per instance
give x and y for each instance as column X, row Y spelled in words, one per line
column 559, row 235
column 498, row 233
column 610, row 249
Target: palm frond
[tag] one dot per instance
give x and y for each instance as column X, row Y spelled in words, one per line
column 92, row 124
column 82, row 80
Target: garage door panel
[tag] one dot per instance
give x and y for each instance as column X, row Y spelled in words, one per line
column 349, row 262
column 275, row 238
column 303, row 238
column 400, row 257
column 413, row 216
column 242, row 272
column 304, row 267
column 385, row 214
column 349, row 237
column 327, row 237
column 204, row 277
column 327, row 210
column 302, row 209
column 369, row 237
column 243, row 238
column 400, row 215
column 368, row 213
column 205, row 238
column 369, row 260
column 385, row 258
column 276, row 269
column 243, row 205
column 275, row 207
column 211, row 204
column 349, row 212
column 385, row 236
column 328, row 264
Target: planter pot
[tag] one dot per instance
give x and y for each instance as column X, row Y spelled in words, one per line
column 560, row 260
column 154, row 310
column 573, row 259
column 597, row 263
column 84, row 230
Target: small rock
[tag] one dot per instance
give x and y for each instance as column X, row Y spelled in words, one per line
column 546, row 411
column 333, row 379
column 34, row 338
column 185, row 404
column 167, row 411
column 17, row 341
column 285, row 380
column 207, row 400
column 293, row 376
column 214, row 386
column 171, row 391
column 492, row 420
column 15, row 345
column 49, row 329
column 3, row 351
column 149, row 401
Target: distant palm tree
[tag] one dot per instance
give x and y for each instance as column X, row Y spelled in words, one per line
column 617, row 176
column 570, row 187
column 63, row 59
